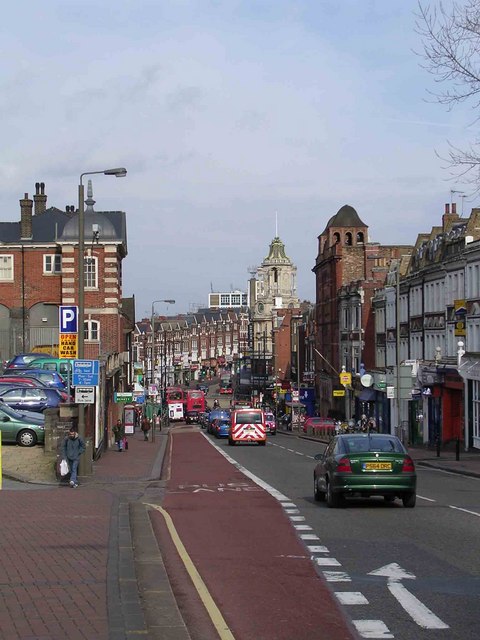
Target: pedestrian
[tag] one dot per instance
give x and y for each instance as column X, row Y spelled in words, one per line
column 119, row 433
column 72, row 448
column 145, row 427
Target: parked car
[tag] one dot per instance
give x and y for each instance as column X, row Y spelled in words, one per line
column 24, row 359
column 362, row 464
column 226, row 389
column 49, row 378
column 31, row 398
column 270, row 424
column 317, row 424
column 203, row 387
column 23, row 381
column 203, row 419
column 63, row 366
column 21, row 428
column 221, row 427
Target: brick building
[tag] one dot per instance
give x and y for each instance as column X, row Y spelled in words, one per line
column 39, row 272
column 347, row 270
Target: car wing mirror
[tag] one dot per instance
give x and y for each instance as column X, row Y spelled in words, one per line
column 319, row 456
column 5, row 419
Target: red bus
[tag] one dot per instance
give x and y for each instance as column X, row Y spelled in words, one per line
column 195, row 405
column 175, row 401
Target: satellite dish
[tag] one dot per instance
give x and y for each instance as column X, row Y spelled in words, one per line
column 366, row 380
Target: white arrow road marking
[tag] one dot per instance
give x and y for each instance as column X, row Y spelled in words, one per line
column 416, row 609
column 410, row 603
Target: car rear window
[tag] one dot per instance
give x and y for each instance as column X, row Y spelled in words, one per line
column 249, row 417
column 365, row 444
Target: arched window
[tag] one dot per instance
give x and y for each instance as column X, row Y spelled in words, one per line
column 336, row 237
column 91, row 330
column 275, row 275
column 348, row 239
column 360, row 237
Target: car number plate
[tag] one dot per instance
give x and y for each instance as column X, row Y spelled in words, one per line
column 377, row 466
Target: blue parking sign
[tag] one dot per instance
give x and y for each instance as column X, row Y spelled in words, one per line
column 68, row 319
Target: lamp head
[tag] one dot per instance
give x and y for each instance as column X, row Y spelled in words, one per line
column 119, row 172
column 170, row 301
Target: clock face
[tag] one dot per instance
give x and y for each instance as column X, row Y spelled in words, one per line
column 260, row 307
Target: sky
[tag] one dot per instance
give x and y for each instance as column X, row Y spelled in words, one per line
column 226, row 114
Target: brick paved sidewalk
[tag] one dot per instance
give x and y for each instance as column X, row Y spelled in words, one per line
column 67, row 556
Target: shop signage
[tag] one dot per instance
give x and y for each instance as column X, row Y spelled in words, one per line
column 120, row 396
column 337, row 393
column 68, row 345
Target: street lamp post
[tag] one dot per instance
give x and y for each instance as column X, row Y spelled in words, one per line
column 85, row 466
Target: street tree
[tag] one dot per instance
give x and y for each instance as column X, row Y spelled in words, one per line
column 451, row 53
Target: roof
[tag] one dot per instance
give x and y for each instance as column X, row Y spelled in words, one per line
column 346, row 216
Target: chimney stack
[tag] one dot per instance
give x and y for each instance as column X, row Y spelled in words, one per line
column 26, row 208
column 40, row 198
column 454, row 208
column 448, row 218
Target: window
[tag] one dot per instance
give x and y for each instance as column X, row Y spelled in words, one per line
column 91, row 330
column 235, row 300
column 91, row 275
column 6, row 267
column 52, row 263
column 225, row 300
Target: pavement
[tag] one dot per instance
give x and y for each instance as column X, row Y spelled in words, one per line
column 86, row 563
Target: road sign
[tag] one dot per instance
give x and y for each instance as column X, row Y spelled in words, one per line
column 85, row 373
column 120, row 396
column 345, row 378
column 338, row 393
column 381, row 385
column 68, row 319
column 85, row 395
column 68, row 343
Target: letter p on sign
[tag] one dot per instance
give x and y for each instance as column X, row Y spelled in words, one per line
column 68, row 320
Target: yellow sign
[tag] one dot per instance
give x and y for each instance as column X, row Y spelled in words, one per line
column 68, row 345
column 345, row 378
column 338, row 392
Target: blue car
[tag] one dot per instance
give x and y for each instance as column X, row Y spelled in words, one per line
column 221, row 427
column 216, row 414
column 30, row 398
column 49, row 378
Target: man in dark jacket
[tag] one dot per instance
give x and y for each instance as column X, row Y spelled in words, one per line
column 72, row 448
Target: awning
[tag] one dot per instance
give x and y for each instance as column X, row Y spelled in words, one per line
column 367, row 395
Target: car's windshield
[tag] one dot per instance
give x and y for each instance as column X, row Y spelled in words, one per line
column 270, row 417
column 384, row 444
column 11, row 413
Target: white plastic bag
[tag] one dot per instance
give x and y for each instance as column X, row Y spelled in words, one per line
column 64, row 468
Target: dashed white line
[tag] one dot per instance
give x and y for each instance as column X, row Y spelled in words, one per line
column 302, row 527
column 309, row 536
column 297, row 518
column 336, row 576
column 327, row 562
column 372, row 629
column 292, row 511
column 351, row 597
column 317, row 548
column 424, row 498
column 472, row 513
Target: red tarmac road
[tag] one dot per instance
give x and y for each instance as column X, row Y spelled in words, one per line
column 246, row 550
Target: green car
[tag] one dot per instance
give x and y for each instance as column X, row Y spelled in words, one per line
column 23, row 428
column 365, row 464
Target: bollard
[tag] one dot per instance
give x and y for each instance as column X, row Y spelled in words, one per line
column 457, row 449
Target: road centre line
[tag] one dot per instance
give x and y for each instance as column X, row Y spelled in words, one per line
column 336, row 576
column 425, row 498
column 351, row 597
column 472, row 513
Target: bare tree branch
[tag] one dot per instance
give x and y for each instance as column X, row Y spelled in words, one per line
column 451, row 53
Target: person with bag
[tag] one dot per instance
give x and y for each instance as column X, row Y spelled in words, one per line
column 145, row 427
column 119, row 434
column 73, row 447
